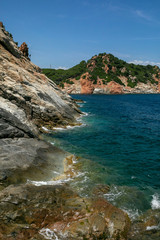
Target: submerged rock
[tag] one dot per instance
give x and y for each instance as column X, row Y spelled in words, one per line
column 147, row 227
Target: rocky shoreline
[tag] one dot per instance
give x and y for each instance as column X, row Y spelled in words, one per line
column 30, row 103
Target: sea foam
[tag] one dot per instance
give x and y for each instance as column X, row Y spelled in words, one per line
column 149, row 228
column 48, row 234
column 155, row 203
column 42, row 183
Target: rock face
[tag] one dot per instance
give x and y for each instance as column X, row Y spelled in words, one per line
column 29, row 101
column 37, row 98
column 86, row 84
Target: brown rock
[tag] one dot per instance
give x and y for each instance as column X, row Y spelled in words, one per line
column 100, row 189
column 114, row 88
column 146, row 227
column 1, row 25
column 24, row 49
column 28, row 211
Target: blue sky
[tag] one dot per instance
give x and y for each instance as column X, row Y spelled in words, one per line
column 61, row 33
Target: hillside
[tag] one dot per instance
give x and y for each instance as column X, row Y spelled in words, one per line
column 105, row 73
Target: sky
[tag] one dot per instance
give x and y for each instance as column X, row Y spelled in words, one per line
column 61, row 33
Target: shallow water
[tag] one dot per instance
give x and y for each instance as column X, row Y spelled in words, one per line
column 121, row 137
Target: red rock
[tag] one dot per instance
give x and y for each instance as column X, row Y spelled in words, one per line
column 86, row 84
column 114, row 88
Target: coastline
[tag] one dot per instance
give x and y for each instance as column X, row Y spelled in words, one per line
column 145, row 223
column 37, row 200
column 43, row 194
column 80, row 219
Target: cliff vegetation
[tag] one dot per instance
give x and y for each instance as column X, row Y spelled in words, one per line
column 107, row 68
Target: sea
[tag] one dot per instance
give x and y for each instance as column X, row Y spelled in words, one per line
column 118, row 145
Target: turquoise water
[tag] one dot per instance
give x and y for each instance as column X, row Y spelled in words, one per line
column 121, row 139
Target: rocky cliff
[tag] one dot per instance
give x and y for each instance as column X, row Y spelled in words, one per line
column 29, row 95
column 106, row 74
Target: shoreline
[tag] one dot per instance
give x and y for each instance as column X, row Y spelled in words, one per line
column 68, row 171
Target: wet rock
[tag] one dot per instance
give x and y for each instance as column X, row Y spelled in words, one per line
column 26, row 158
column 100, row 190
column 27, row 209
column 147, row 227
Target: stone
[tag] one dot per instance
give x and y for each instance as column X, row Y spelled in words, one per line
column 24, row 49
column 60, row 211
column 1, row 25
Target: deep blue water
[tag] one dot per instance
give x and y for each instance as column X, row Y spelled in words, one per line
column 122, row 139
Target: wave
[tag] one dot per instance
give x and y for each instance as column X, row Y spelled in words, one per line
column 150, row 228
column 45, row 129
column 155, row 203
column 45, row 183
column 132, row 213
column 114, row 194
column 69, row 127
column 56, row 182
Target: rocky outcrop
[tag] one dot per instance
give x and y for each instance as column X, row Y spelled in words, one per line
column 39, row 99
column 7, row 42
column 86, row 86
column 24, row 49
column 29, row 103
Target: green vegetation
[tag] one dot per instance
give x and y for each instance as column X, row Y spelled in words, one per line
column 60, row 76
column 106, row 67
